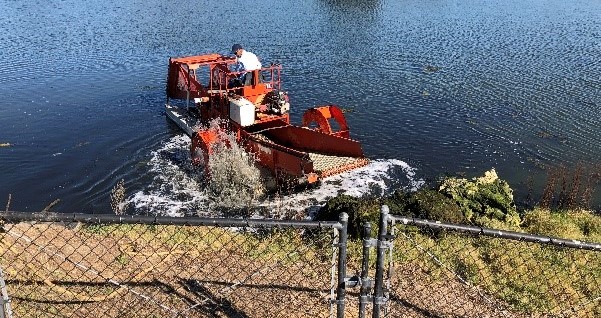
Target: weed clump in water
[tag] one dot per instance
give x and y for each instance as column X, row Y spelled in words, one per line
column 234, row 180
column 118, row 202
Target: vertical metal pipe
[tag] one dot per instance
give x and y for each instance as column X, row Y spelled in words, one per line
column 5, row 308
column 378, row 298
column 364, row 292
column 333, row 270
column 341, row 291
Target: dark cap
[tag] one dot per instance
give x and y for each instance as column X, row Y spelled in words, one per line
column 235, row 48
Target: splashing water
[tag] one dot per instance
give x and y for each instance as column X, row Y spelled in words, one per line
column 378, row 178
column 179, row 189
column 176, row 188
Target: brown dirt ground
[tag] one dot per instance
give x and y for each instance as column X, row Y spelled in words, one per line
column 53, row 270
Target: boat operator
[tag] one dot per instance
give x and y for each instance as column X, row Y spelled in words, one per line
column 245, row 62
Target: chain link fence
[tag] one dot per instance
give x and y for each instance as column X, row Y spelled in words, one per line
column 136, row 266
column 449, row 270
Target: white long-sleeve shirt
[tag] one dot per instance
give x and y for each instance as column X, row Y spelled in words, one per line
column 248, row 61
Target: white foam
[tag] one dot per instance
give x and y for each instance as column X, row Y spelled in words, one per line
column 378, row 178
column 177, row 187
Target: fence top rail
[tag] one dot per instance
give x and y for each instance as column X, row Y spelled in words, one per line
column 511, row 235
column 14, row 216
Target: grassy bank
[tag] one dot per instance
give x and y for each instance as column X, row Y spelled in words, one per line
column 530, row 278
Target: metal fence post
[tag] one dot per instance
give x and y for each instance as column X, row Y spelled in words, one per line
column 378, row 299
column 365, row 281
column 341, row 291
column 5, row 310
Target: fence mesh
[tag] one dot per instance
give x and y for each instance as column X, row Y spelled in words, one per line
column 442, row 273
column 238, row 268
column 146, row 270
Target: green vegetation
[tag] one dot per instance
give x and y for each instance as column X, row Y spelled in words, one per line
column 358, row 210
column 482, row 199
column 529, row 277
column 485, row 201
column 425, row 204
column 575, row 224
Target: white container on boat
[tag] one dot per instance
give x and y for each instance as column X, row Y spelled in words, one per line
column 242, row 111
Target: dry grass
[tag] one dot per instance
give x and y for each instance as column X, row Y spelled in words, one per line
column 514, row 278
column 141, row 271
column 159, row 271
column 571, row 187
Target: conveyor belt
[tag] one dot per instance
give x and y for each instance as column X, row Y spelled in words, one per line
column 327, row 166
column 323, row 163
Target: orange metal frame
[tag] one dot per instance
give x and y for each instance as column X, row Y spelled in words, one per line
column 183, row 83
column 285, row 150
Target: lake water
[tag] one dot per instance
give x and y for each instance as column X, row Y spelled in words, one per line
column 432, row 88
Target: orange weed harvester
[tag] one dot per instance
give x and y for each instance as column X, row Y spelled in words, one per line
column 257, row 113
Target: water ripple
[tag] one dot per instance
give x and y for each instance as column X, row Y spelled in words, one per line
column 450, row 86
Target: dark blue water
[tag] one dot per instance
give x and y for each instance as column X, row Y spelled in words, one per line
column 446, row 86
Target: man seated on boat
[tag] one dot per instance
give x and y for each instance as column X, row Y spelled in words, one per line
column 245, row 62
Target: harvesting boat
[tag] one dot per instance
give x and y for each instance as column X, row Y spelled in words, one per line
column 200, row 90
